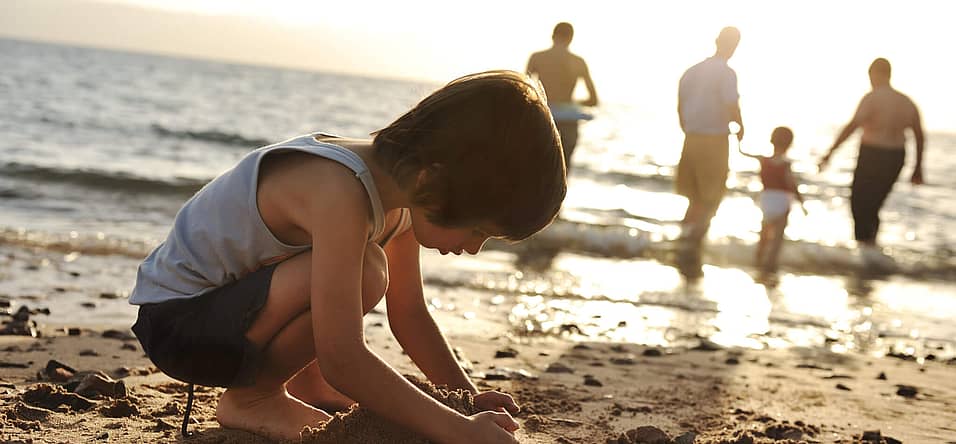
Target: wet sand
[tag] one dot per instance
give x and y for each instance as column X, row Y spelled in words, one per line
column 101, row 388
column 568, row 392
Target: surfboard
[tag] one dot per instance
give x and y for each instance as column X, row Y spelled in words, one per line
column 567, row 112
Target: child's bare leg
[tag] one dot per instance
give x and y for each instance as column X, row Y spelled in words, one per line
column 267, row 408
column 309, row 385
column 283, row 331
column 762, row 245
column 772, row 254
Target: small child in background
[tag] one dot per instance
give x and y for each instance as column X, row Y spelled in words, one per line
column 779, row 190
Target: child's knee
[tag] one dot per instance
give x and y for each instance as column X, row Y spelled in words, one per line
column 374, row 276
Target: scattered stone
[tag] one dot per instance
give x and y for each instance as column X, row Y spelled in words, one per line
column 507, row 374
column 625, row 360
column 618, row 348
column 732, row 361
column 557, row 367
column 52, row 397
column 120, row 408
column 581, row 347
column 88, row 352
column 29, row 413
column 131, row 347
column 20, row 328
column 116, row 334
column 814, row 367
column 72, row 331
column 506, row 353
column 109, row 295
column 881, row 376
column 686, row 438
column 652, row 352
column 592, row 381
column 88, row 305
column 98, row 384
column 5, row 364
column 103, row 436
column 642, row 435
column 906, row 391
column 784, row 432
column 56, row 371
column 843, row 387
column 22, row 314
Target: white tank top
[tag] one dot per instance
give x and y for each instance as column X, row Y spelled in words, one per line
column 219, row 236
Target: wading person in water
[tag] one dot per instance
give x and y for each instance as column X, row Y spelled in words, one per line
column 885, row 115
column 263, row 281
column 559, row 69
column 707, row 101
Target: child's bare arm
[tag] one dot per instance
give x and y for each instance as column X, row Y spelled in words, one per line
column 740, row 149
column 416, row 330
column 410, row 320
column 336, row 307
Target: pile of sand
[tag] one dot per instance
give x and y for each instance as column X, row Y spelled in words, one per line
column 361, row 426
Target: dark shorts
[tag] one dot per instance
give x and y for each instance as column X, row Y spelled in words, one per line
column 201, row 340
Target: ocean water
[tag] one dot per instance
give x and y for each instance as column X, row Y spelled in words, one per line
column 99, row 149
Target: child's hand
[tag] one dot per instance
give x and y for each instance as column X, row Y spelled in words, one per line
column 491, row 428
column 496, row 401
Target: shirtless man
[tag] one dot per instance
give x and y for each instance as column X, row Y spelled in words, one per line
column 559, row 69
column 885, row 114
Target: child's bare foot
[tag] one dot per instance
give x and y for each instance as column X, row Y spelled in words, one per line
column 274, row 415
column 310, row 387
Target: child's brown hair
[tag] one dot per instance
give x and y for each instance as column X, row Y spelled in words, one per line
column 481, row 150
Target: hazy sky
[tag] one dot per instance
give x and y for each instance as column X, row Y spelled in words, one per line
column 810, row 56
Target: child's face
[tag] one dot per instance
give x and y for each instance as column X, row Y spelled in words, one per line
column 444, row 239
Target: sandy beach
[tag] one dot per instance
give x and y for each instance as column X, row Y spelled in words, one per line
column 569, row 391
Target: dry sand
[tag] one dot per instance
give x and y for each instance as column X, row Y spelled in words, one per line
column 569, row 393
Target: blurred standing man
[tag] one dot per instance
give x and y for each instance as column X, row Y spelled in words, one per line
column 885, row 114
column 559, row 69
column 707, row 102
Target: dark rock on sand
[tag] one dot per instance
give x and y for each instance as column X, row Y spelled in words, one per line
column 30, row 413
column 506, row 353
column 557, row 367
column 592, row 381
column 652, row 352
column 906, row 391
column 881, row 376
column 98, row 384
column 875, row 437
column 623, row 360
column 52, row 397
column 784, row 431
column 686, row 438
column 116, row 334
column 120, row 408
column 5, row 364
column 56, row 371
column 642, row 435
column 843, row 387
